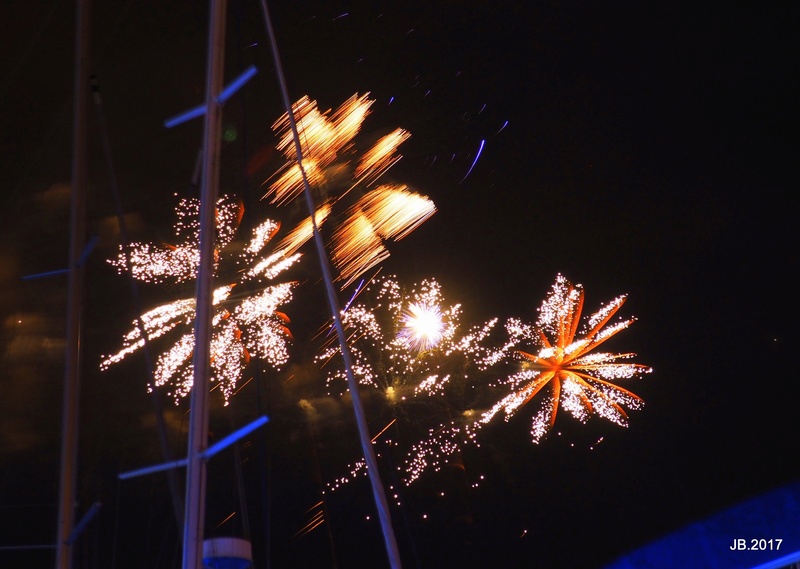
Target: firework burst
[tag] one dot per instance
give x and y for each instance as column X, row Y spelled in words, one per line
column 242, row 326
column 408, row 343
column 423, row 326
column 566, row 366
column 381, row 213
column 410, row 346
column 558, row 357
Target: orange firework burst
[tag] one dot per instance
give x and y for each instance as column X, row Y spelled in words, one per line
column 579, row 380
column 387, row 212
column 381, row 213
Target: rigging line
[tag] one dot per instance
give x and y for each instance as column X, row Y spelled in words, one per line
column 398, row 485
column 172, row 476
column 115, row 532
column 378, row 491
column 237, row 464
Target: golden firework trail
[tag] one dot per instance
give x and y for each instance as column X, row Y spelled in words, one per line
column 382, row 213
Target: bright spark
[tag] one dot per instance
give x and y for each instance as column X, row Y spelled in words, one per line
column 422, row 326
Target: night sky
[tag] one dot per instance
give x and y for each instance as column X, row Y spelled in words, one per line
column 634, row 148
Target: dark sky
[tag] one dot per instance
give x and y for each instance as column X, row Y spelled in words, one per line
column 647, row 149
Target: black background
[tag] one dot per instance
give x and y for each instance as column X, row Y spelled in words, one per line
column 650, row 149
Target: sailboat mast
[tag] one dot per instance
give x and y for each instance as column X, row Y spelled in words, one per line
column 194, row 521
column 69, row 421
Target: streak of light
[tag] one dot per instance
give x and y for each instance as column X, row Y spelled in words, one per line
column 315, row 522
column 220, row 524
column 478, row 155
column 376, row 437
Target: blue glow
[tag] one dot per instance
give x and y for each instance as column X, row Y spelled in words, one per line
column 209, row 452
column 782, row 562
column 151, row 469
column 332, row 328
column 355, row 294
column 233, row 437
column 236, row 84
column 187, row 116
column 47, row 274
column 224, row 95
column 478, row 155
column 226, row 562
column 84, row 521
column 84, row 255
column 87, row 250
column 760, row 533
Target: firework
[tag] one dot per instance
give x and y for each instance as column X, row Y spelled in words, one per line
column 322, row 139
column 423, row 326
column 178, row 262
column 387, row 212
column 381, row 213
column 410, row 345
column 241, row 326
column 381, row 157
column 391, row 352
column 566, row 366
column 579, row 379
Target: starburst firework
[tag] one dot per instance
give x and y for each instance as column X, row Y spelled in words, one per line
column 241, row 326
column 423, row 326
column 578, row 379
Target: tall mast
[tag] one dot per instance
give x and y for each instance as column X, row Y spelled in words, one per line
column 194, row 520
column 69, row 428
